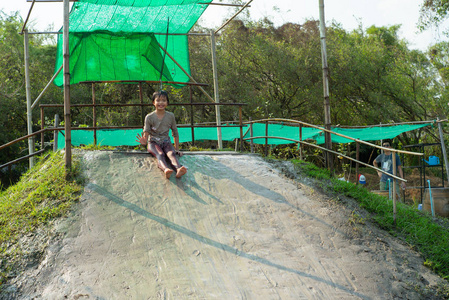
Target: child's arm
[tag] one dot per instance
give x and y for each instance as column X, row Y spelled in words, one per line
column 176, row 140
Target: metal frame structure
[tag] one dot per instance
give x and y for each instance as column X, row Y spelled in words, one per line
column 66, row 71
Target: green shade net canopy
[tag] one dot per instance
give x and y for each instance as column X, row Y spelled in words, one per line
column 122, row 40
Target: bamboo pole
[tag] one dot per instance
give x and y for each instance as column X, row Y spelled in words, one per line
column 235, row 15
column 224, row 4
column 28, row 97
column 46, row 87
column 185, row 72
column 67, row 117
column 27, row 18
column 443, row 149
column 327, row 111
column 216, row 94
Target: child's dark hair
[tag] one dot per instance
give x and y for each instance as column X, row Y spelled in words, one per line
column 160, row 93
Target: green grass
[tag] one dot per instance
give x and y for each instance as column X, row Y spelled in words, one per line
column 417, row 228
column 41, row 195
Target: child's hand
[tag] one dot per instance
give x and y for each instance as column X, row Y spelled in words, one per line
column 179, row 153
column 141, row 139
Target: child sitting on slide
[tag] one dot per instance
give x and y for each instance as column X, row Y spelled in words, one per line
column 156, row 127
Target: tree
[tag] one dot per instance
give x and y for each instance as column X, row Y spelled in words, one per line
column 433, row 13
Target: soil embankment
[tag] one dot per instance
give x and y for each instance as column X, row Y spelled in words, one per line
column 233, row 228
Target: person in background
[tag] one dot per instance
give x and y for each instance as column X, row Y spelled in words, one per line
column 155, row 136
column 385, row 162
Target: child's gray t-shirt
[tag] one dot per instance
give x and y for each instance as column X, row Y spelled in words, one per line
column 159, row 128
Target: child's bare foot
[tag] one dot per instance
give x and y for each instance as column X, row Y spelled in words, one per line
column 168, row 173
column 181, row 171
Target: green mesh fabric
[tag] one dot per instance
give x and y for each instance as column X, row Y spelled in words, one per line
column 277, row 130
column 369, row 133
column 119, row 40
column 120, row 137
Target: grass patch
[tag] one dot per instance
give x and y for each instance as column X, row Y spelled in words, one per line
column 41, row 195
column 417, row 228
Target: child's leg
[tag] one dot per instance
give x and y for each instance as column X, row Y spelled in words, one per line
column 170, row 151
column 156, row 151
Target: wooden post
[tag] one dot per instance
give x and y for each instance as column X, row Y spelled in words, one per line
column 67, row 117
column 94, row 113
column 28, row 98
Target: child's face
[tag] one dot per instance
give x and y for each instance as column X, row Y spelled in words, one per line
column 160, row 102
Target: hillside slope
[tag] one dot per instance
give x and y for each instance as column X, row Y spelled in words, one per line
column 233, row 228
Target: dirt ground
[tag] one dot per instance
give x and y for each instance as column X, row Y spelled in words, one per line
column 234, row 227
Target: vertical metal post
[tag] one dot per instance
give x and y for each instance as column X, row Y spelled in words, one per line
column 443, row 148
column 241, row 127
column 94, row 113
column 142, row 113
column 357, row 157
column 55, row 134
column 393, row 156
column 216, row 95
column 327, row 111
column 66, row 71
column 192, row 126
column 28, row 98
column 42, row 127
column 301, row 147
column 251, row 134
column 266, row 139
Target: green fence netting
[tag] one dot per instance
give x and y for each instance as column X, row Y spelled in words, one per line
column 122, row 137
column 127, row 137
column 120, row 40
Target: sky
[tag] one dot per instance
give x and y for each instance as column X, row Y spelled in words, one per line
column 349, row 13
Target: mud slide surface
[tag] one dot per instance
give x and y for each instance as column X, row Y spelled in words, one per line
column 233, row 228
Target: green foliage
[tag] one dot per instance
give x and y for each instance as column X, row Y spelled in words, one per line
column 42, row 195
column 433, row 13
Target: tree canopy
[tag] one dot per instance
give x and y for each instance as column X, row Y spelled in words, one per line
column 374, row 78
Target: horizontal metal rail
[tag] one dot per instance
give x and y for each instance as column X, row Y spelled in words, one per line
column 335, row 133
column 21, row 158
column 331, row 151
